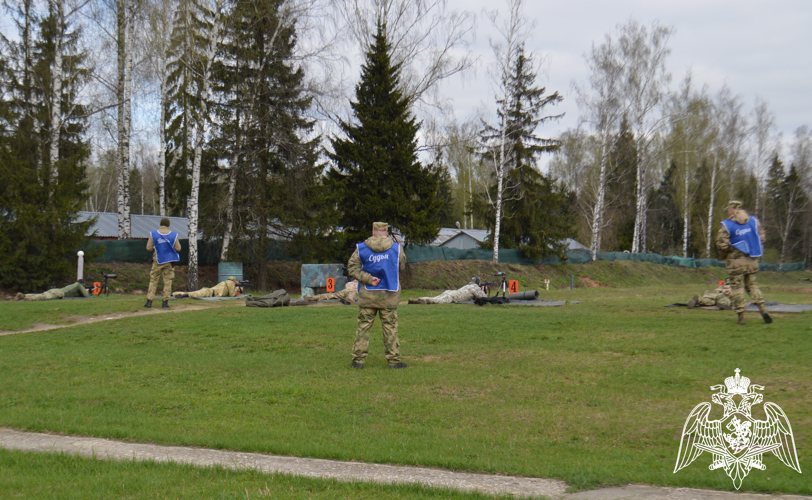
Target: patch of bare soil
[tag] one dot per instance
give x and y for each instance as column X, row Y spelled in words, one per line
column 799, row 290
column 83, row 320
column 590, row 283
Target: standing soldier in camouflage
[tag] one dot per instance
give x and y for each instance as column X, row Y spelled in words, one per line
column 227, row 288
column 720, row 297
column 376, row 264
column 470, row 291
column 166, row 246
column 349, row 295
column 740, row 243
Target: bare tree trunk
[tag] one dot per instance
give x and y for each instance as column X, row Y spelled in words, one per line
column 710, row 209
column 471, row 194
column 232, row 187
column 685, row 213
column 58, row 7
column 162, row 151
column 214, row 36
column 501, row 168
column 124, row 62
column 597, row 214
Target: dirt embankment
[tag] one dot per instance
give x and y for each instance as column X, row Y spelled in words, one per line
column 441, row 275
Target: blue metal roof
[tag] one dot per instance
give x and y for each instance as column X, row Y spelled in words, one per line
column 107, row 224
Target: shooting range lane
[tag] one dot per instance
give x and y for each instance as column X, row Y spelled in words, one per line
column 520, row 487
column 84, row 320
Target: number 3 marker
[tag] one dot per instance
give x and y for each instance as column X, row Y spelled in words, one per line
column 331, row 285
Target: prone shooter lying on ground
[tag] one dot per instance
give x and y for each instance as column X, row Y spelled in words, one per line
column 721, row 297
column 228, row 288
column 74, row 290
column 348, row 295
column 471, row 291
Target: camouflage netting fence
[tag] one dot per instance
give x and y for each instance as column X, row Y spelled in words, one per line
column 209, row 255
column 208, row 252
column 416, row 253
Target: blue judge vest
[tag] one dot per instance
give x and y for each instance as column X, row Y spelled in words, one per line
column 165, row 246
column 744, row 237
column 384, row 266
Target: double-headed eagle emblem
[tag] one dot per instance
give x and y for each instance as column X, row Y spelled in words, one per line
column 737, row 441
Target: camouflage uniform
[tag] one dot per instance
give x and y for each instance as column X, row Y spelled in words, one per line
column 719, row 297
column 372, row 302
column 159, row 270
column 741, row 268
column 227, row 288
column 74, row 290
column 348, row 294
column 468, row 292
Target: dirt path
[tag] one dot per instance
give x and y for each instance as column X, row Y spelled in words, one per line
column 523, row 487
column 83, row 320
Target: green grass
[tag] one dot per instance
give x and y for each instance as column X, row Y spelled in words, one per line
column 24, row 315
column 64, row 477
column 593, row 393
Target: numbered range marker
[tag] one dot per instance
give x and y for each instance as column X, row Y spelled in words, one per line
column 513, row 286
column 331, row 285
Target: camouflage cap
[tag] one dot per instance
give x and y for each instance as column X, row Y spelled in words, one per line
column 232, row 278
column 476, row 279
column 165, row 221
column 734, row 204
column 380, row 226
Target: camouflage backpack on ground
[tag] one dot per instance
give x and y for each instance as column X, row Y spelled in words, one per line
column 276, row 298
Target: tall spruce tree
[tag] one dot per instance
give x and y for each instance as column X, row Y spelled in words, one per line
column 39, row 201
column 272, row 183
column 376, row 175
column 537, row 214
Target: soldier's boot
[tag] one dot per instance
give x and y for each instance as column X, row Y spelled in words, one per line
column 398, row 366
column 19, row 296
column 357, row 366
column 693, row 301
column 767, row 318
column 741, row 319
column 148, row 304
column 724, row 307
column 165, row 304
column 414, row 300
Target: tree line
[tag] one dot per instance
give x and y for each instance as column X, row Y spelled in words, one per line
column 233, row 113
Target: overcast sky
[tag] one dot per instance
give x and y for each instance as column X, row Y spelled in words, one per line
column 757, row 48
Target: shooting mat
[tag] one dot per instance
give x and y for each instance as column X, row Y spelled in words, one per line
column 770, row 306
column 537, row 302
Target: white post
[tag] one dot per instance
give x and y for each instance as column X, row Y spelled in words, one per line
column 80, row 266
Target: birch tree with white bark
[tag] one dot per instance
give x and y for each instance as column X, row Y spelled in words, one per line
column 644, row 86
column 764, row 143
column 731, row 129
column 495, row 141
column 212, row 34
column 160, row 16
column 601, row 107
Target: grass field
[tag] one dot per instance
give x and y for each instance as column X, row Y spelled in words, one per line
column 30, row 475
column 594, row 393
